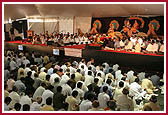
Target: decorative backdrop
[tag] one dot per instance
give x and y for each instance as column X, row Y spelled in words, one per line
column 143, row 23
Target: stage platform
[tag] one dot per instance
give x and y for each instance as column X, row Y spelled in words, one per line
column 151, row 62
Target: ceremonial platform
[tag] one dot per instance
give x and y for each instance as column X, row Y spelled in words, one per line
column 141, row 61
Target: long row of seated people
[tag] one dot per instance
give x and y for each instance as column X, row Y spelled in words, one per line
column 135, row 44
column 132, row 44
column 33, row 82
column 61, row 39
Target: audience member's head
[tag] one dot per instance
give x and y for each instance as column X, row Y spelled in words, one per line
column 90, row 97
column 39, row 100
column 110, row 70
column 26, row 107
column 43, row 84
column 14, row 89
column 29, row 74
column 89, row 72
column 55, row 70
column 105, row 89
column 59, row 89
column 137, row 80
column 47, row 77
column 56, row 80
column 153, row 99
column 90, row 87
column 17, row 106
column 99, row 74
column 79, row 85
column 96, row 80
column 65, row 106
column 75, row 93
column 108, row 81
column 121, row 84
column 112, row 105
column 72, row 76
column 8, row 100
column 78, row 70
column 90, row 68
column 125, row 91
column 49, row 101
column 95, row 103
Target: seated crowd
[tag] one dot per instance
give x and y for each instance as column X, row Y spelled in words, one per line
column 131, row 44
column 33, row 82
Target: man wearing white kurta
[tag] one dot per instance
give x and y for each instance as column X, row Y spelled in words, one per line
column 39, row 91
column 15, row 97
column 136, row 90
column 103, row 98
column 89, row 79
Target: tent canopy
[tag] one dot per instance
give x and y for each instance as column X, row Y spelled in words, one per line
column 18, row 11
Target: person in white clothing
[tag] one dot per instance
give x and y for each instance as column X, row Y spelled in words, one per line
column 26, row 70
column 118, row 90
column 86, row 104
column 155, row 47
column 39, row 91
column 109, row 75
column 13, row 65
column 47, row 93
column 115, row 67
column 66, row 89
column 35, row 106
column 89, row 79
column 53, row 76
column 102, row 73
column 95, row 106
column 149, row 48
column 19, row 61
column 25, row 100
column 140, row 41
column 124, row 103
column 26, row 61
column 103, row 98
column 14, row 96
column 133, row 40
column 80, row 91
column 118, row 75
column 100, row 82
column 130, row 76
column 136, row 90
column 129, row 46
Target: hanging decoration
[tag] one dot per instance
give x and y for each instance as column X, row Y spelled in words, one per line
column 96, row 27
column 153, row 26
column 137, row 18
column 115, row 24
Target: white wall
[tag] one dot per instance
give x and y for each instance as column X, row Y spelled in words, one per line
column 37, row 25
column 66, row 24
column 84, row 23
